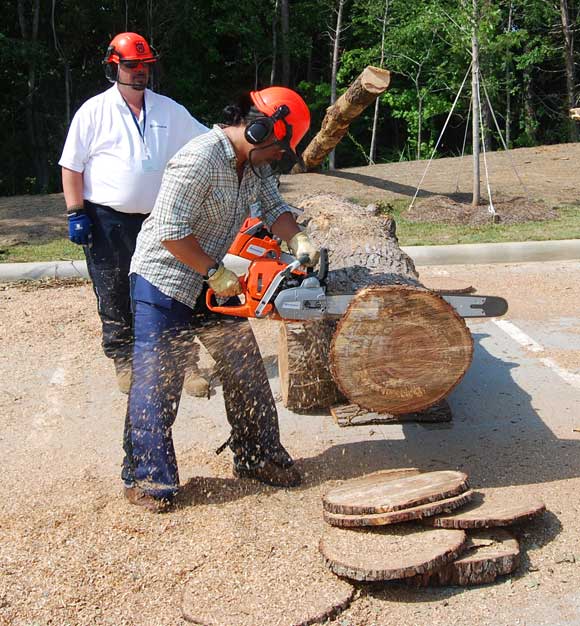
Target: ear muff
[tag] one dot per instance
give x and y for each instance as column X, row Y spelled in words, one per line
column 111, row 72
column 258, row 130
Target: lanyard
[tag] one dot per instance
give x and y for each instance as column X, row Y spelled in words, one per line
column 140, row 130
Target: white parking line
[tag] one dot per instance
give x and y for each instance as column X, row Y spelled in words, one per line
column 519, row 336
column 530, row 344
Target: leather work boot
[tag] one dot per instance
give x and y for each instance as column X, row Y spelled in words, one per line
column 138, row 497
column 123, row 371
column 271, row 474
column 196, row 385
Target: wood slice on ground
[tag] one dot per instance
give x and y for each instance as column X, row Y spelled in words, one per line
column 488, row 554
column 405, row 515
column 257, row 581
column 388, row 554
column 489, row 509
column 392, row 490
column 354, row 415
column 399, row 349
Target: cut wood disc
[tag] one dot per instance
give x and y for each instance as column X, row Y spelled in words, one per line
column 488, row 554
column 399, row 349
column 259, row 580
column 489, row 509
column 405, row 515
column 393, row 490
column 388, row 554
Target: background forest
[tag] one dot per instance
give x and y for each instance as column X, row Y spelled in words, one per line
column 211, row 50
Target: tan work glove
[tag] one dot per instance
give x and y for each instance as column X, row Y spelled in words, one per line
column 301, row 246
column 225, row 283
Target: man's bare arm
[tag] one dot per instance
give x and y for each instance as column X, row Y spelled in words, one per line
column 188, row 251
column 285, row 226
column 72, row 185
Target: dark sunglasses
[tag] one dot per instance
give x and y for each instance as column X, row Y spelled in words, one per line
column 133, row 65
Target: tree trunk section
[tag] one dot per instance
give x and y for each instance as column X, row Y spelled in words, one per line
column 489, row 554
column 303, row 357
column 371, row 83
column 409, row 357
column 397, row 552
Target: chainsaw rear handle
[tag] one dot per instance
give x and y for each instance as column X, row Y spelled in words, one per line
column 237, row 310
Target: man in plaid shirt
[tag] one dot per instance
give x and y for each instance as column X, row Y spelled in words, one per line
column 205, row 196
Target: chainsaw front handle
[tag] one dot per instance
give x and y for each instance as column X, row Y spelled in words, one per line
column 237, row 310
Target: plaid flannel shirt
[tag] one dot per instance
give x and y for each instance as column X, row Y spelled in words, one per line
column 201, row 196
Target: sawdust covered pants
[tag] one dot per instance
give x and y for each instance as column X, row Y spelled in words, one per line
column 163, row 330
column 108, row 261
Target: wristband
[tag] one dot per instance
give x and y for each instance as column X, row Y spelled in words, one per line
column 75, row 208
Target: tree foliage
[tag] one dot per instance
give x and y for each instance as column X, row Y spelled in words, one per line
column 213, row 49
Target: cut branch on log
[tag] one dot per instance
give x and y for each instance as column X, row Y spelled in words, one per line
column 370, row 84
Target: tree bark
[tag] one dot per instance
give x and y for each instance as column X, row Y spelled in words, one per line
column 429, row 350
column 285, row 27
column 334, row 69
column 568, row 33
column 371, row 83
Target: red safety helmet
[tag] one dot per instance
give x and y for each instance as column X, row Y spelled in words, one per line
column 130, row 47
column 290, row 113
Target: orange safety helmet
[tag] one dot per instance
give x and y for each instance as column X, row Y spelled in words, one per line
column 130, row 47
column 289, row 113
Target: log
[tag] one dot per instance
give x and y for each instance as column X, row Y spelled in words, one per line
column 488, row 554
column 353, row 415
column 370, row 84
column 364, row 251
column 393, row 490
column 396, row 517
column 490, row 509
column 388, row 554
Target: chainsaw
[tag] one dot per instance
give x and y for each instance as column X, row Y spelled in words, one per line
column 278, row 286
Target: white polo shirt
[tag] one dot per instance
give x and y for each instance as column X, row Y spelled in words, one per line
column 121, row 169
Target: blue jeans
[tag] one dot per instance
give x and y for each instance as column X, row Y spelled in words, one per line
column 108, row 262
column 164, row 329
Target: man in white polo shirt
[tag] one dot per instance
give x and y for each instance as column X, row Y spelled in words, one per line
column 112, row 164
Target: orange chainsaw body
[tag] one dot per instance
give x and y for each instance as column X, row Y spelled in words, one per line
column 254, row 243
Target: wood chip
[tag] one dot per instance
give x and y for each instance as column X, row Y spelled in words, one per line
column 393, row 490
column 404, row 515
column 388, row 554
column 489, row 509
column 488, row 554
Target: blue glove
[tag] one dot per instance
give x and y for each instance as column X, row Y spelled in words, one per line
column 79, row 228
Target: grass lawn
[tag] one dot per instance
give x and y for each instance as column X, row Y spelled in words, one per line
column 55, row 250
column 432, row 234
column 409, row 233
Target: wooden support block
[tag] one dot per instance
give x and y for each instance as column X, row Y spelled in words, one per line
column 489, row 509
column 388, row 554
column 404, row 515
column 354, row 415
column 393, row 490
column 488, row 554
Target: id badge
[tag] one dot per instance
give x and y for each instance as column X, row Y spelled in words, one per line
column 149, row 165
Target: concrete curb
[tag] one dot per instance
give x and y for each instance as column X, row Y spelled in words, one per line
column 459, row 254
